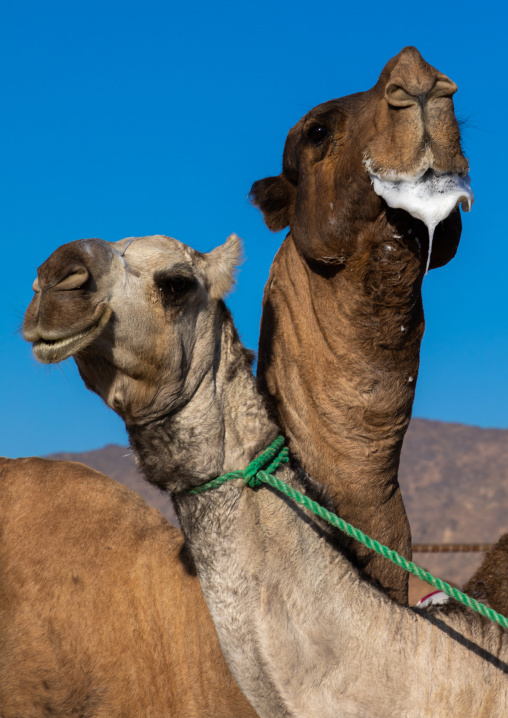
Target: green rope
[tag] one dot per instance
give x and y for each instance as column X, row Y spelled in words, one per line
column 253, row 476
column 274, row 451
column 388, row 553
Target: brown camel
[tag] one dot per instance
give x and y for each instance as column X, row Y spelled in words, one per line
column 342, row 313
column 302, row 632
column 490, row 582
column 101, row 613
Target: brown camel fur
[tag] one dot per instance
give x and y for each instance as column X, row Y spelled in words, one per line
column 101, row 613
column 342, row 313
column 490, row 583
column 303, row 634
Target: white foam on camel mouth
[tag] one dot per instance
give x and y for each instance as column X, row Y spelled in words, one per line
column 431, row 197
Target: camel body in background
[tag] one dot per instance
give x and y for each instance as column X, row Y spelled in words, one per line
column 490, row 582
column 302, row 632
column 342, row 311
column 101, row 613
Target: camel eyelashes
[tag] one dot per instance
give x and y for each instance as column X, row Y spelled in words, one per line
column 317, row 133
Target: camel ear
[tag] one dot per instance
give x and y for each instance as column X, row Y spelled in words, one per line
column 221, row 265
column 275, row 197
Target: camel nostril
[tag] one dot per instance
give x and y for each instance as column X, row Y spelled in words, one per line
column 75, row 278
column 443, row 87
column 397, row 96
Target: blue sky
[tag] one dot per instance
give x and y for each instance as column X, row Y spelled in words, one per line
column 124, row 118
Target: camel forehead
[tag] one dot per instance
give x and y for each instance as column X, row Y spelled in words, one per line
column 155, row 252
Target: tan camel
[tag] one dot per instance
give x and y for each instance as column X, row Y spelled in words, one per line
column 342, row 313
column 101, row 612
column 303, row 634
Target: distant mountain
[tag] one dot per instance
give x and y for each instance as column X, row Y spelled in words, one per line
column 454, row 481
column 118, row 463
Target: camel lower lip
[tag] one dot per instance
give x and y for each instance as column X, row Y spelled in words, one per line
column 52, row 352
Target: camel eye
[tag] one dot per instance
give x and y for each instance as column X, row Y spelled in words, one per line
column 317, row 133
column 178, row 285
column 173, row 287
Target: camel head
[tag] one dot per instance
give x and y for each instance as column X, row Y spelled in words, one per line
column 387, row 156
column 139, row 316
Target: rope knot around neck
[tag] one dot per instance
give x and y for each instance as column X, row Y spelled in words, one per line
column 275, row 453
column 254, row 475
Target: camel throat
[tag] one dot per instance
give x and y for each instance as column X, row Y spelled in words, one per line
column 431, row 197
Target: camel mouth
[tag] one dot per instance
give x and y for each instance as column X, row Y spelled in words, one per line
column 431, row 196
column 53, row 351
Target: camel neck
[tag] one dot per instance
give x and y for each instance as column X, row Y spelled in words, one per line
column 262, row 562
column 221, row 428
column 304, row 636
column 348, row 341
column 338, row 362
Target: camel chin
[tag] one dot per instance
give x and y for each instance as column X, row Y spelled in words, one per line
column 54, row 351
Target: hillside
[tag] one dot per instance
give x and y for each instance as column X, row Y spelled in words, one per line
column 118, row 463
column 454, row 480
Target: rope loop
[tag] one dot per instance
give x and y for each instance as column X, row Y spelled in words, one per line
column 253, row 481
